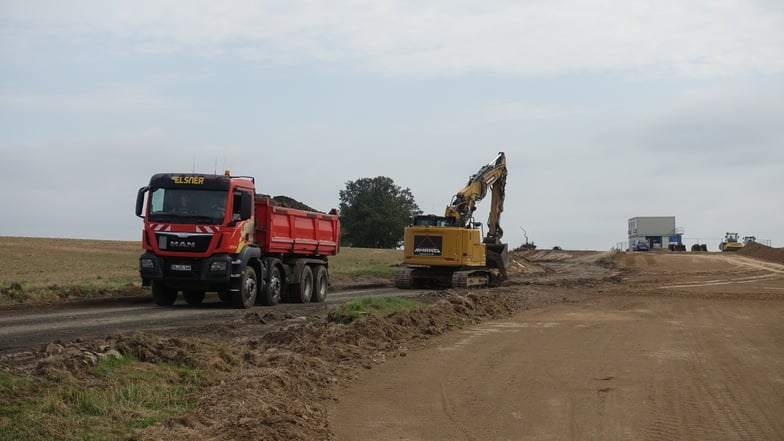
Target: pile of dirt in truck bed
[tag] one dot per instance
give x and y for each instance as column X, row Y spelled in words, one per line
column 288, row 202
column 754, row 249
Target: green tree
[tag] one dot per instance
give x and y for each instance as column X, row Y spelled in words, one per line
column 374, row 212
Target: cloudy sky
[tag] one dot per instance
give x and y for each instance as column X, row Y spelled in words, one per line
column 606, row 110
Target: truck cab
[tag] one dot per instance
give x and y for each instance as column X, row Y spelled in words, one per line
column 214, row 233
column 198, row 236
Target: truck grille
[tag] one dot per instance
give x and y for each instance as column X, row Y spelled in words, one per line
column 195, row 243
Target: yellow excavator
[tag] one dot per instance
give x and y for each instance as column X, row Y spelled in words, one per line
column 448, row 251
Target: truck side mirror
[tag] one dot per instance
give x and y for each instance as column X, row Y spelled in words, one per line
column 140, row 201
column 246, row 206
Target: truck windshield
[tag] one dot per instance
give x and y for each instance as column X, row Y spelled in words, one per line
column 187, row 206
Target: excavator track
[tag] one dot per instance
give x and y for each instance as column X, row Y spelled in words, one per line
column 423, row 277
column 470, row 279
column 404, row 278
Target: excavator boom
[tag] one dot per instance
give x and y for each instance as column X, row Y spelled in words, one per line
column 491, row 176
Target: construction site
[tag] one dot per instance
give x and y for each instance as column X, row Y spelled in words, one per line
column 653, row 342
column 574, row 345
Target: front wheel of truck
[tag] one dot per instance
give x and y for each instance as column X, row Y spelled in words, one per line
column 246, row 296
column 163, row 295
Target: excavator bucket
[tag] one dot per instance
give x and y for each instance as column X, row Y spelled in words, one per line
column 498, row 257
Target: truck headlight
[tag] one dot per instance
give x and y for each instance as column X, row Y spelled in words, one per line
column 147, row 263
column 218, row 266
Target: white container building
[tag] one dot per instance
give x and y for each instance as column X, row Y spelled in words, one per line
column 657, row 231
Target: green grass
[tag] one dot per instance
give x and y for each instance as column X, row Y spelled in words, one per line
column 365, row 262
column 123, row 395
column 367, row 306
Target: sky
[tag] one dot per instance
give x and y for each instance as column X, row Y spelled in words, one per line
column 606, row 110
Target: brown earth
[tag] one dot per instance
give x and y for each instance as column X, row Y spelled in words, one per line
column 754, row 249
column 684, row 346
column 288, row 202
column 576, row 345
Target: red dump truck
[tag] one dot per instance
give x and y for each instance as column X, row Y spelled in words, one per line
column 214, row 233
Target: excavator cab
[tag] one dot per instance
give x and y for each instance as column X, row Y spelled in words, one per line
column 430, row 220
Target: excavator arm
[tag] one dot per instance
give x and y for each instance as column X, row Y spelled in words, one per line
column 490, row 177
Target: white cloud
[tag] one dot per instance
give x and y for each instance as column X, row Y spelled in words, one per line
column 123, row 99
column 696, row 38
column 729, row 126
column 515, row 111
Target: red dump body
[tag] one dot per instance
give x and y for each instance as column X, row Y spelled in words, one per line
column 288, row 231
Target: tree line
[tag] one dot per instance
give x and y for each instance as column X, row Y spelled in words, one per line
column 374, row 213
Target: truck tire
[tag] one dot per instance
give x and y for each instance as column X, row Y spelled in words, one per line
column 305, row 287
column 320, row 284
column 163, row 295
column 246, row 296
column 271, row 295
column 193, row 297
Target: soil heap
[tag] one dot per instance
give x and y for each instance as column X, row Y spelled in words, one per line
column 754, row 249
column 288, row 202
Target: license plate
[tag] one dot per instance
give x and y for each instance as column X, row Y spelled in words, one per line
column 176, row 267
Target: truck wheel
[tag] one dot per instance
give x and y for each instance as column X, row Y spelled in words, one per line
column 271, row 295
column 163, row 295
column 246, row 296
column 305, row 290
column 320, row 284
column 193, row 297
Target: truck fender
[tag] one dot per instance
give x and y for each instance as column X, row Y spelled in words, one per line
column 297, row 267
column 251, row 255
column 271, row 262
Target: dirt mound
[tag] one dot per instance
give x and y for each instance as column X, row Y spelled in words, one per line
column 520, row 265
column 288, row 202
column 543, row 255
column 282, row 371
column 754, row 249
column 288, row 373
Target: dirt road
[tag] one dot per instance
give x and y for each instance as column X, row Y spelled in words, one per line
column 27, row 327
column 688, row 347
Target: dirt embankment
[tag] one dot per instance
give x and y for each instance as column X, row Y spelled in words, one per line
column 754, row 249
column 282, row 369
